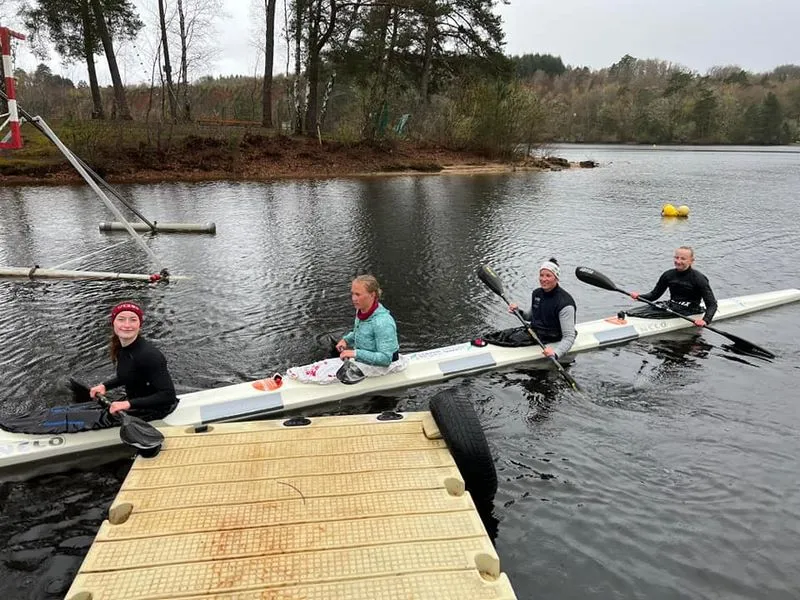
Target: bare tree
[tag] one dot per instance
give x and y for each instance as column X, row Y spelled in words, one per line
column 427, row 52
column 183, row 78
column 299, row 12
column 123, row 112
column 167, row 65
column 348, row 24
column 382, row 17
column 190, row 26
column 317, row 40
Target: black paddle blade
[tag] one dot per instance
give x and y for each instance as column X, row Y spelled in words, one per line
column 595, row 278
column 80, row 391
column 349, row 373
column 490, row 278
column 141, row 435
column 492, row 281
column 328, row 342
column 743, row 345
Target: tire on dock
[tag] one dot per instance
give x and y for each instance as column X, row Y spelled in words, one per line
column 461, row 429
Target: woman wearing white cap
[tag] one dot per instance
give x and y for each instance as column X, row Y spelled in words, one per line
column 552, row 313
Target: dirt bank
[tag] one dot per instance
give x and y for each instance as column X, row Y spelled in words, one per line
column 257, row 158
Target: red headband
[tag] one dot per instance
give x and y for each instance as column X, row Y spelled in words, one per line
column 129, row 306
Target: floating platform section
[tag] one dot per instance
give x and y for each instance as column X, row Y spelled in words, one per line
column 351, row 508
column 161, row 227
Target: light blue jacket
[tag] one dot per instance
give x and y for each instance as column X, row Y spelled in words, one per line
column 375, row 338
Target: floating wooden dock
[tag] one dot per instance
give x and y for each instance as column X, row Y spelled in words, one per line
column 349, row 507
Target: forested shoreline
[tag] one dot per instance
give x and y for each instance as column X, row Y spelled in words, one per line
column 426, row 72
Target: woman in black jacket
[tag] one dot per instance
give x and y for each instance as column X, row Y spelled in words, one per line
column 141, row 368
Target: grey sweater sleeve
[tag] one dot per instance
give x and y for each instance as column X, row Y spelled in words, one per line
column 566, row 318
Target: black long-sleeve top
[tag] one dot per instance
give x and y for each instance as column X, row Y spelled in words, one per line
column 142, row 369
column 687, row 288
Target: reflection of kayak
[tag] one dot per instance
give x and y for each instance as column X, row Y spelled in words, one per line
column 261, row 398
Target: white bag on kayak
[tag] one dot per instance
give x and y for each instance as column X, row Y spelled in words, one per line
column 324, row 371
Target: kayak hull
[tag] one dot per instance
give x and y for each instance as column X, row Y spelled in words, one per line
column 250, row 400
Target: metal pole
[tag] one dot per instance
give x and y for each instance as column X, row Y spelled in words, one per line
column 116, row 194
column 37, row 273
column 93, row 184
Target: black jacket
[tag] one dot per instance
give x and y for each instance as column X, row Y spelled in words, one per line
column 544, row 313
column 142, row 369
column 686, row 288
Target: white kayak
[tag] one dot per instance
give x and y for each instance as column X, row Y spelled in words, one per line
column 21, row 454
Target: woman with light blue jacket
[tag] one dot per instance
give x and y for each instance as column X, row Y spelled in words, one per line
column 373, row 339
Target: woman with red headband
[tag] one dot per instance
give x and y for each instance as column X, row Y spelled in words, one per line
column 141, row 368
column 373, row 339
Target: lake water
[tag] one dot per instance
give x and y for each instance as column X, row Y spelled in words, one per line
column 674, row 474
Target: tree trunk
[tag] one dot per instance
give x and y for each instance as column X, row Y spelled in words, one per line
column 121, row 102
column 325, row 99
column 269, row 58
column 298, row 38
column 88, row 34
column 183, row 77
column 389, row 56
column 427, row 64
column 370, row 128
column 316, row 43
column 312, row 68
column 167, row 65
column 351, row 23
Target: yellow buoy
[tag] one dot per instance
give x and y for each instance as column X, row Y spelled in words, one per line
column 669, row 211
column 683, row 210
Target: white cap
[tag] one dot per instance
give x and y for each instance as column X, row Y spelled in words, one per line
column 552, row 267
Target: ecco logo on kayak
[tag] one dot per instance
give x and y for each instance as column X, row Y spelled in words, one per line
column 655, row 325
column 27, row 446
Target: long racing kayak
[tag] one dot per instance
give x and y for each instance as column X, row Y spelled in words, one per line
column 22, row 453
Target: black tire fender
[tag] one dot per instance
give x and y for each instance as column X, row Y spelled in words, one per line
column 462, row 432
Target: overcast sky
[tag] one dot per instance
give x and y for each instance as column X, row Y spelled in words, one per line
column 757, row 35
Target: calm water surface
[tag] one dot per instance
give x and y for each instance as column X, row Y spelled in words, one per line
column 672, row 475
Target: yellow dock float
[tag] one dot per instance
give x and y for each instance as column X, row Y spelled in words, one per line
column 350, row 507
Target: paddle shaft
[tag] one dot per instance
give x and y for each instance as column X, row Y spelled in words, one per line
column 487, row 275
column 597, row 279
column 567, row 377
column 734, row 338
column 349, row 373
column 108, row 404
column 664, row 308
column 133, row 426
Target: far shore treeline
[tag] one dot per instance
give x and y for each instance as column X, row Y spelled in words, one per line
column 425, row 71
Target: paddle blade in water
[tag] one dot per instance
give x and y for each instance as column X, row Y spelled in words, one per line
column 595, row 278
column 349, row 373
column 490, row 278
column 743, row 345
